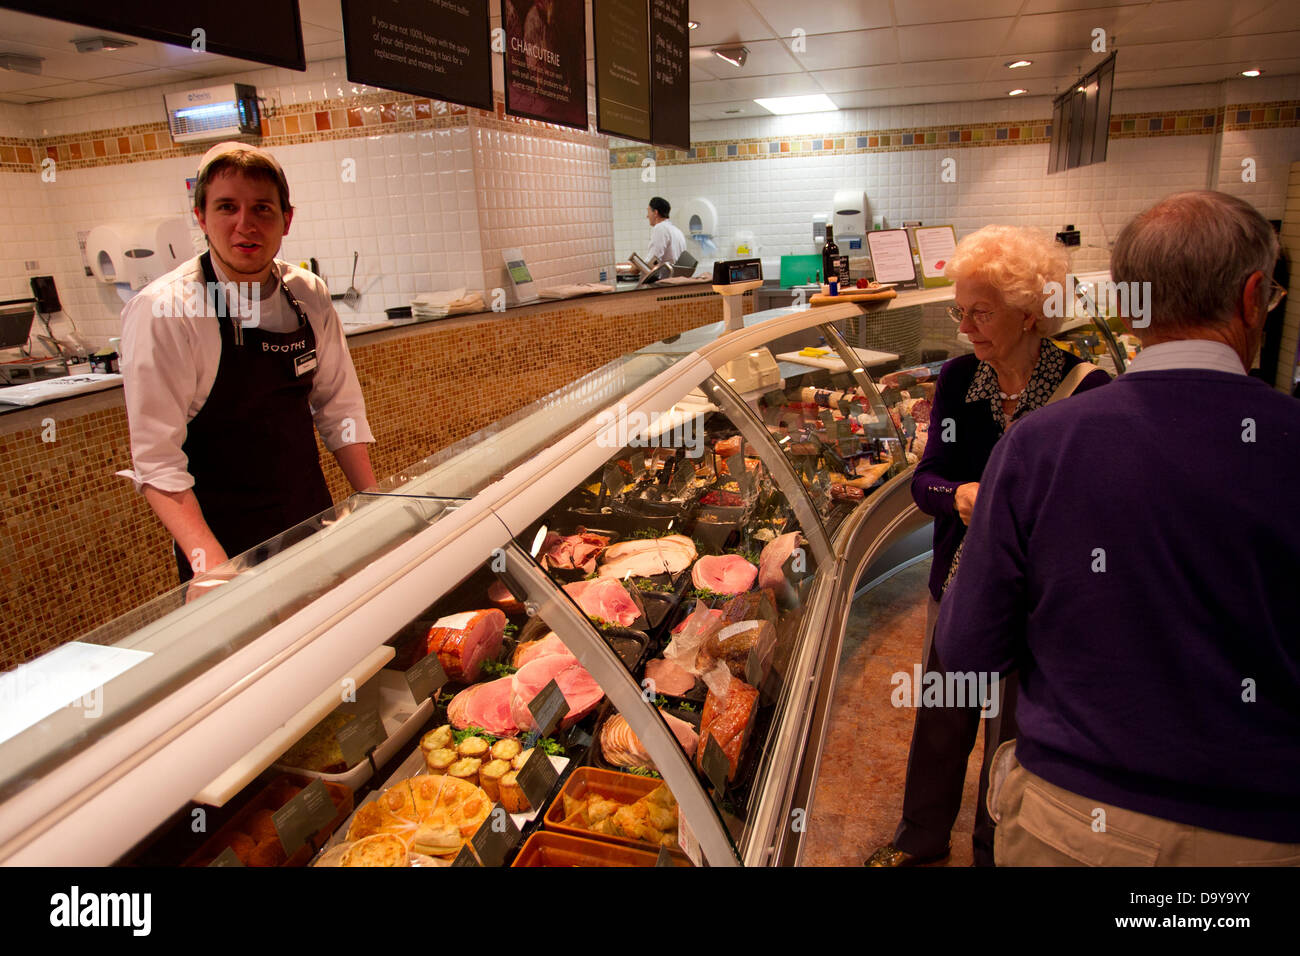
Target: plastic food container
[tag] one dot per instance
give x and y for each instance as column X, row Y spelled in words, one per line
column 268, row 799
column 596, row 757
column 546, row 848
column 610, row 784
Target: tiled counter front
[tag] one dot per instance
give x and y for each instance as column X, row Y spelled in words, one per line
column 79, row 547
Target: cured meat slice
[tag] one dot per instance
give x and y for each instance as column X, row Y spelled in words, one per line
column 648, row 556
column 579, row 688
column 606, row 599
column 484, row 705
column 572, row 552
column 771, row 562
column 668, row 541
column 723, row 573
column 728, row 720
column 464, row 641
column 501, row 597
column 531, row 650
column 669, row 677
column 621, row 747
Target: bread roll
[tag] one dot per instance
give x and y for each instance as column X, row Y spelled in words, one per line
column 475, row 748
column 437, row 761
column 465, row 769
column 520, row 759
column 436, row 739
column 489, row 777
column 507, row 748
column 511, row 795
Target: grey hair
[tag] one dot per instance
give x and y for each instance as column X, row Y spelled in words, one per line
column 1196, row 249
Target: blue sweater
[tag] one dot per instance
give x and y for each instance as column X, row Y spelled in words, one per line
column 946, row 464
column 1135, row 553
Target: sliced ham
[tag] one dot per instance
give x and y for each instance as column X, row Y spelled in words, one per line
column 648, row 556
column 531, row 650
column 484, row 705
column 572, row 552
column 579, row 688
column 669, row 677
column 771, row 562
column 723, row 573
column 621, row 747
column 606, row 599
column 501, row 597
column 464, row 641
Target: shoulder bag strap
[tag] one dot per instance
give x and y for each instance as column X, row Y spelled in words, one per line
column 1071, row 381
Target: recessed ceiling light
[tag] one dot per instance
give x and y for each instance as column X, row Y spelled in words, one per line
column 1251, row 72
column 20, row 63
column 96, row 44
column 693, row 24
column 1017, row 64
column 782, row 105
column 735, row 55
column 1017, row 92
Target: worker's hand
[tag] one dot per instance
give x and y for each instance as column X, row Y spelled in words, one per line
column 965, row 500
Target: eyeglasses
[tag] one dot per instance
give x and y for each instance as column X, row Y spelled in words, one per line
column 1276, row 296
column 979, row 317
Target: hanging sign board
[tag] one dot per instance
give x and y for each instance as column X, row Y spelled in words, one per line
column 621, row 32
column 670, row 74
column 545, row 60
column 436, row 48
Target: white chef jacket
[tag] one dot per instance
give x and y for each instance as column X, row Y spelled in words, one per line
column 169, row 364
column 666, row 241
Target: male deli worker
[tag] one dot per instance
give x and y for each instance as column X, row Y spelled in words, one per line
column 228, row 362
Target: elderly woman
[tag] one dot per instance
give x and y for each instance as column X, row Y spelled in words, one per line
column 1003, row 275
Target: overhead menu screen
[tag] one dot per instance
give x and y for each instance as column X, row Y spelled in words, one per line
column 436, row 48
column 670, row 78
column 264, row 31
column 546, row 60
column 621, row 29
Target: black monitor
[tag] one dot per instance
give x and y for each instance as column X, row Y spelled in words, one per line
column 16, row 323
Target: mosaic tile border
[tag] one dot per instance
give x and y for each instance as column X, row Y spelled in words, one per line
column 349, row 117
column 1198, row 122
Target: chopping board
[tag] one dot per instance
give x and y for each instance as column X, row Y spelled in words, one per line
column 880, row 296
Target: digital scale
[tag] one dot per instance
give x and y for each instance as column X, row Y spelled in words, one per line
column 732, row 279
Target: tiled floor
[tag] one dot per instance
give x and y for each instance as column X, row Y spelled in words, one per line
column 859, row 796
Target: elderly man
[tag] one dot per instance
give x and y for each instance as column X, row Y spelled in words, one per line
column 1133, row 553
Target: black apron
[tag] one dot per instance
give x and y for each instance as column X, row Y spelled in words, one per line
column 252, row 446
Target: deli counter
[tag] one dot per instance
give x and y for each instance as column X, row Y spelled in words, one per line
column 601, row 631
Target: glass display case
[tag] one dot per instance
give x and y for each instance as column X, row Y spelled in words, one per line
column 610, row 618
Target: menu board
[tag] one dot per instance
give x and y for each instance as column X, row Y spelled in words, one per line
column 264, row 31
column 546, row 60
column 670, row 77
column 436, row 48
column 935, row 245
column 621, row 29
column 891, row 255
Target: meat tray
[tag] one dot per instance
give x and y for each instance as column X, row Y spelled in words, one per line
column 547, row 848
column 610, row 784
column 596, row 756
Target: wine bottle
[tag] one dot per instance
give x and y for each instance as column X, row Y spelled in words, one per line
column 833, row 264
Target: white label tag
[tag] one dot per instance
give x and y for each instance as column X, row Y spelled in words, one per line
column 457, row 622
column 304, row 363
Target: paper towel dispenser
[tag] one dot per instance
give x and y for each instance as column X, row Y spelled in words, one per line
column 850, row 222
column 136, row 253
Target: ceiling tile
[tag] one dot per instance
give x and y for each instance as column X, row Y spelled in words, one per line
column 1069, row 31
column 1060, row 6
column 943, row 11
column 726, row 21
column 1272, row 46
column 937, row 72
column 862, row 78
column 1189, row 20
column 326, row 13
column 943, row 41
column 1282, row 15
column 720, row 91
column 1159, row 56
column 837, row 17
column 67, row 91
column 835, row 51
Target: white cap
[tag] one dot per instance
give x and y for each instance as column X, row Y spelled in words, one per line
column 231, row 146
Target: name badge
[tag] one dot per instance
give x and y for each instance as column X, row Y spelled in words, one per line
column 304, row 363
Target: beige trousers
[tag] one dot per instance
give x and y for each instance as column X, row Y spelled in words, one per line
column 1041, row 824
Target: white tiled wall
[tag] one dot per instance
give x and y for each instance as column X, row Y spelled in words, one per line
column 428, row 211
column 771, row 203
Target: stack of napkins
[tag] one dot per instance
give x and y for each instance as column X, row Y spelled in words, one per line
column 435, row 305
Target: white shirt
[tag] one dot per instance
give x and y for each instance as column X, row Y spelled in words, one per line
column 666, row 241
column 1187, row 353
column 169, row 365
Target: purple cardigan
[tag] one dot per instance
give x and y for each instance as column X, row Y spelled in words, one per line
column 1135, row 553
column 947, row 464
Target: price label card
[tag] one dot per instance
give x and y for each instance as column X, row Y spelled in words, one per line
column 578, row 738
column 310, row 810
column 548, row 708
column 426, row 677
column 359, row 736
column 716, row 764
column 536, row 778
column 227, row 858
column 827, row 419
column 495, row 837
column 465, row 857
column 753, row 669
column 687, row 841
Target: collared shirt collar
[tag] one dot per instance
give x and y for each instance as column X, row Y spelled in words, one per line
column 1187, row 353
